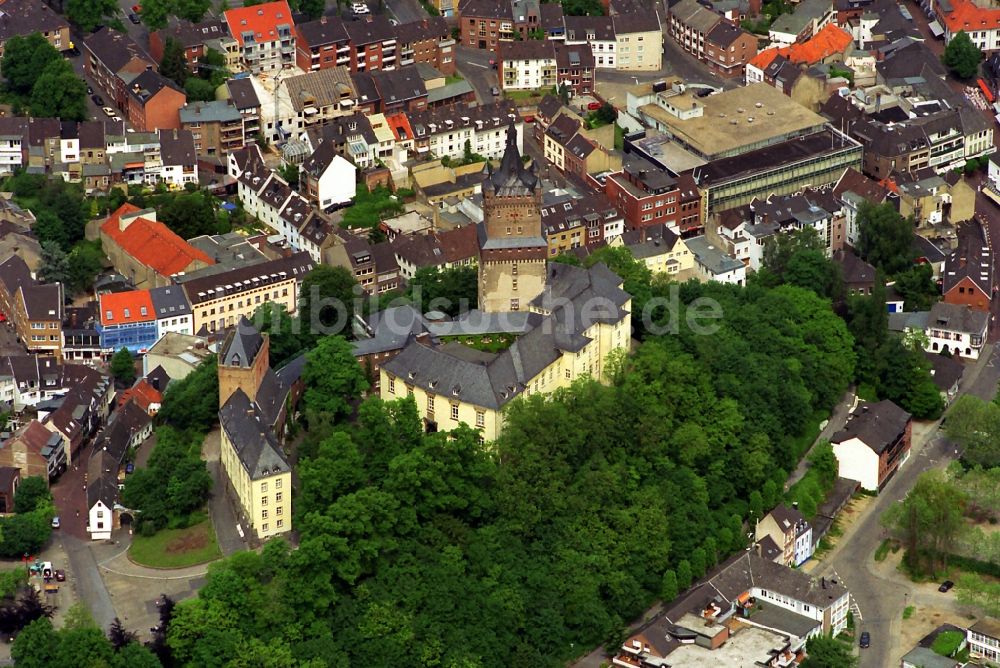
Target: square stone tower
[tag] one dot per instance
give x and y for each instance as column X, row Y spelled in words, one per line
column 512, row 248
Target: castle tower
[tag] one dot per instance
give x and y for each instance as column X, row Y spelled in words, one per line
column 512, row 248
column 243, row 360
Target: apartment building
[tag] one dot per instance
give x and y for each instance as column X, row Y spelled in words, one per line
column 373, row 44
column 196, row 39
column 984, row 639
column 38, row 317
column 427, row 41
column 218, row 301
column 373, row 265
column 980, row 21
column 571, row 223
column 265, row 34
column 127, row 320
column 111, row 59
column 535, row 64
column 216, row 127
column 443, row 132
column 154, row 102
column 244, row 97
column 24, row 17
column 322, row 43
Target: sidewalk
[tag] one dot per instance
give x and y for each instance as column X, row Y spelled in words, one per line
column 838, row 418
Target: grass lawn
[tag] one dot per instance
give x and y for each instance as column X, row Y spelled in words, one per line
column 520, row 94
column 176, row 548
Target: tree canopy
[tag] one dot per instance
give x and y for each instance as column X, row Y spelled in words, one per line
column 927, row 521
column 885, row 238
column 826, row 652
column 88, row 15
column 450, row 291
column 123, row 367
column 975, row 425
column 961, row 56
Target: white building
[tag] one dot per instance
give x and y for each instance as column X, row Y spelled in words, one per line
column 713, row 264
column 327, row 178
column 173, row 312
column 874, row 443
column 443, row 132
column 957, row 329
column 984, row 639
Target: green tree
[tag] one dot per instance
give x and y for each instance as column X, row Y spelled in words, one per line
column 192, row 403
column 781, row 248
column 669, row 589
column 55, row 264
column 917, row 287
column 290, row 173
column 36, row 645
column 973, row 589
column 197, row 88
column 961, row 56
column 685, row 576
column 333, row 378
column 123, row 367
column 453, row 291
column 927, row 521
column 698, row 563
column 312, row 8
column 885, row 238
column 88, row 14
column 606, row 114
column 285, row 339
column 84, row 262
column 190, row 214
column 327, row 300
column 974, row 424
column 582, row 8
column 25, row 57
column 59, row 93
column 31, row 493
column 827, row 652
column 173, row 65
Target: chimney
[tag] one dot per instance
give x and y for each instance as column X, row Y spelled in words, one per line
column 425, row 24
column 795, row 505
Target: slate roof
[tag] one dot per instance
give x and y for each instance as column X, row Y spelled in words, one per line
column 972, row 260
column 177, row 148
column 23, row 17
column 14, row 273
column 749, row 570
column 510, row 177
column 945, row 371
column 431, row 250
column 694, row 14
column 650, row 241
column 216, row 111
column 493, row 383
column 323, row 31
column 877, row 425
column 43, row 301
column 207, row 288
column 115, row 49
column 724, row 34
column 854, row 269
column 158, row 378
column 432, row 28
column 255, row 445
column 241, row 345
column 148, row 84
column 578, row 27
column 786, row 518
column 957, row 318
column 195, row 34
column 399, row 85
column 768, row 548
column 102, row 479
column 391, row 329
column 372, row 28
column 242, row 93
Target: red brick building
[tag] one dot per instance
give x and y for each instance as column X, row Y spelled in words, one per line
column 373, row 44
column 648, row 195
column 194, row 37
column 108, row 56
column 427, row 41
column 728, row 49
column 154, row 103
column 321, row 44
column 968, row 271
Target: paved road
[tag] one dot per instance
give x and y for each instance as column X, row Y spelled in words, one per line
column 220, row 505
column 89, row 585
column 406, row 11
column 881, row 600
column 474, row 65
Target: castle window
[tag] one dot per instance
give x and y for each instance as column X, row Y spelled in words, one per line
column 454, row 412
column 480, row 419
column 392, row 386
column 515, row 305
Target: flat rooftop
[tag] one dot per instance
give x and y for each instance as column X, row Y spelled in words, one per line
column 715, row 133
column 745, row 648
column 783, row 621
column 775, row 155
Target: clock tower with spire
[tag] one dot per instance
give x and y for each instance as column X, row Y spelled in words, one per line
column 512, row 247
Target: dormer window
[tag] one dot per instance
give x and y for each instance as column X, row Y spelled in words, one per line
column 126, row 313
column 108, row 315
column 142, row 310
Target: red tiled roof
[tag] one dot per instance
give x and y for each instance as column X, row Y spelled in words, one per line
column 966, row 15
column 142, row 393
column 765, row 57
column 399, row 123
column 261, row 19
column 828, row 41
column 152, row 244
column 127, row 307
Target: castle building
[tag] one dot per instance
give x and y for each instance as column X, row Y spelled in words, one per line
column 512, row 246
column 253, row 400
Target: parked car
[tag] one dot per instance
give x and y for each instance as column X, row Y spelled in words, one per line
column 866, row 640
column 137, row 9
column 946, row 586
column 60, row 575
column 495, row 91
column 108, row 111
column 116, row 119
column 90, row 91
column 594, row 106
column 98, row 100
column 360, row 8
column 134, row 18
column 493, row 63
column 529, row 119
column 55, row 522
